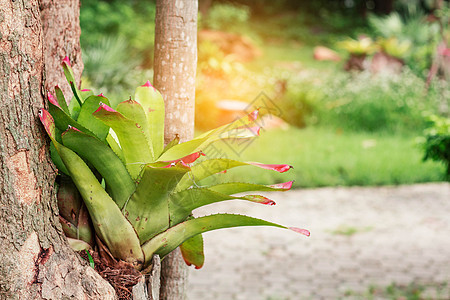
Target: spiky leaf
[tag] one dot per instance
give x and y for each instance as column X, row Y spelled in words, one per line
column 153, row 104
column 132, row 139
column 148, row 208
column 86, row 119
column 213, row 166
column 109, row 223
column 182, row 204
column 105, row 161
column 165, row 242
column 192, row 251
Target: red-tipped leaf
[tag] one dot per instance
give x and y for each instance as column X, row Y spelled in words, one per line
column 300, row 230
column 275, row 167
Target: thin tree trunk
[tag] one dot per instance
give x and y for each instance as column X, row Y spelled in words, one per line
column 35, row 261
column 175, row 66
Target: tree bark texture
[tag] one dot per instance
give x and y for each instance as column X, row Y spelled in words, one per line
column 61, row 28
column 175, row 65
column 35, row 259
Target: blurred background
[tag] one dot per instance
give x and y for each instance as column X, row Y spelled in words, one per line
column 351, row 93
column 348, row 87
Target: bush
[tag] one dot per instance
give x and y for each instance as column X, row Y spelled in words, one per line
column 362, row 101
column 131, row 20
column 226, row 17
column 109, row 71
column 378, row 102
column 437, row 144
column 300, row 102
column 412, row 29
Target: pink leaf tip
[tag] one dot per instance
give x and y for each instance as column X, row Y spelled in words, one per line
column 189, row 159
column 255, row 130
column 69, row 127
column 260, row 199
column 300, row 230
column 85, row 90
column 103, row 106
column 52, row 99
column 66, row 60
column 283, row 186
column 101, row 95
column 147, row 84
column 275, row 167
column 253, row 115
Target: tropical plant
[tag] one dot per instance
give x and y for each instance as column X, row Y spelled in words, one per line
column 137, row 194
column 394, row 47
column 107, row 69
column 437, row 144
column 361, row 47
column 410, row 28
column 229, row 17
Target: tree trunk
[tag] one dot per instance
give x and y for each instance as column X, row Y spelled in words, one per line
column 35, row 261
column 61, row 28
column 175, row 66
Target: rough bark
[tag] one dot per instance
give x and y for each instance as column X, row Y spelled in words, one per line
column 35, row 261
column 61, row 28
column 175, row 66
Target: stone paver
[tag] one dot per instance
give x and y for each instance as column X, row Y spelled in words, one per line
column 400, row 235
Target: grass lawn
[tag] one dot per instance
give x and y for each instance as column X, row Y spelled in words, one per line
column 326, row 157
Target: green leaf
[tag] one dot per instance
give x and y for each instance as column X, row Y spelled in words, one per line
column 63, row 120
column 165, row 242
column 86, row 119
column 68, row 72
column 74, row 107
column 172, row 143
column 113, row 143
column 148, row 208
column 134, row 111
column 192, row 251
column 182, row 150
column 241, row 128
column 57, row 160
column 91, row 260
column 153, row 104
column 240, row 187
column 61, row 100
column 105, row 161
column 210, row 167
column 182, row 204
column 132, row 140
column 109, row 223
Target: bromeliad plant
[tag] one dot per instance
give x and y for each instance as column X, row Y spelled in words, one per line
column 137, row 195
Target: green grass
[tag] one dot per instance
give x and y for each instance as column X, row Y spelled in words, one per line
column 290, row 55
column 350, row 230
column 324, row 157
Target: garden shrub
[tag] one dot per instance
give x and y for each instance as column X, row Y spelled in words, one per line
column 362, row 101
column 367, row 102
column 131, row 20
column 107, row 69
column 411, row 28
column 437, row 143
column 226, row 17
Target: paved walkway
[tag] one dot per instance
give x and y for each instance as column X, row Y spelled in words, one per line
column 360, row 237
